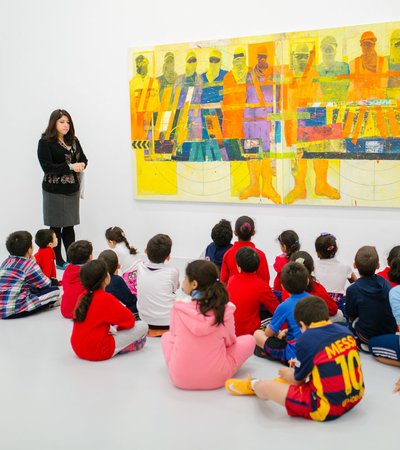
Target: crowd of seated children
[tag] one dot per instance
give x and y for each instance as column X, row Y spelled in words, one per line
column 157, row 284
column 248, row 292
column 201, row 348
column 79, row 253
column 221, row 236
column 24, row 289
column 327, row 379
column 289, row 242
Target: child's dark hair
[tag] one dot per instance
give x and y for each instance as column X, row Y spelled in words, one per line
column 44, row 237
column 393, row 261
column 326, row 246
column 159, row 248
column 92, row 275
column 111, row 260
column 367, row 260
column 310, row 309
column 214, row 295
column 244, row 228
column 294, row 278
column 117, row 235
column 79, row 252
column 18, row 243
column 290, row 240
column 247, row 259
column 222, row 233
column 308, row 262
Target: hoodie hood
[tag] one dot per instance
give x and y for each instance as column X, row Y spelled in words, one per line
column 373, row 286
column 197, row 323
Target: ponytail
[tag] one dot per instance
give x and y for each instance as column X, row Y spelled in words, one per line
column 213, row 295
column 117, row 235
column 307, row 261
column 92, row 275
column 290, row 240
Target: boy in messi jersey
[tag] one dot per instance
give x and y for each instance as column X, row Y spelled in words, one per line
column 327, row 380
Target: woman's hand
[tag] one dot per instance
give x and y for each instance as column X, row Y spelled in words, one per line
column 78, row 167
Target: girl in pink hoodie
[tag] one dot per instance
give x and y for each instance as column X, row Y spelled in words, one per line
column 201, row 348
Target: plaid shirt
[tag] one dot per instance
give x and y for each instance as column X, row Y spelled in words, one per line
column 18, row 276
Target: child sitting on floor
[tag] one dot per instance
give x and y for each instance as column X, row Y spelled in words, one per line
column 367, row 300
column 46, row 240
column 281, row 345
column 248, row 292
column 316, row 289
column 79, row 253
column 117, row 286
column 244, row 230
column 127, row 256
column 327, row 380
column 221, row 234
column 94, row 336
column 330, row 272
column 201, row 349
column 289, row 242
column 24, row 289
column 157, row 284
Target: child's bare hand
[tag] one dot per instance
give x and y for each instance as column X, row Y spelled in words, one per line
column 397, row 387
column 282, row 334
column 286, row 373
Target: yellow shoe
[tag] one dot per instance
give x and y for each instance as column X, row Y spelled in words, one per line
column 239, row 386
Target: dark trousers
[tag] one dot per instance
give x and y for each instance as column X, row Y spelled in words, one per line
column 66, row 236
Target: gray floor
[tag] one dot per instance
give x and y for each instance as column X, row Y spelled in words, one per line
column 52, row 400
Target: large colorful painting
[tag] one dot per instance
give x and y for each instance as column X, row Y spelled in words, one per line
column 308, row 118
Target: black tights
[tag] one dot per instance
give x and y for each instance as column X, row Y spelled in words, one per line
column 65, row 235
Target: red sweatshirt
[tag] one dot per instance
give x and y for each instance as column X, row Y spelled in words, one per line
column 72, row 288
column 385, row 274
column 45, row 257
column 229, row 266
column 247, row 292
column 279, row 264
column 319, row 291
column 91, row 339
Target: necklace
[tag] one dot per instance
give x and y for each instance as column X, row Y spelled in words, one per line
column 63, row 144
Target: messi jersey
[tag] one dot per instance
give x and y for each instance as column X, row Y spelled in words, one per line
column 327, row 354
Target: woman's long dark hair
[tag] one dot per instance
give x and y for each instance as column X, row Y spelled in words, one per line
column 51, row 134
column 308, row 262
column 117, row 235
column 214, row 295
column 92, row 275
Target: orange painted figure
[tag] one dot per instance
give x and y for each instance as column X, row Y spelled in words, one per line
column 234, row 100
column 302, row 90
column 144, row 102
column 368, row 72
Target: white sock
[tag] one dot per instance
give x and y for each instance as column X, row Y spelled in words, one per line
column 253, row 381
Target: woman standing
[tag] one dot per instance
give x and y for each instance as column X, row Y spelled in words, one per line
column 62, row 160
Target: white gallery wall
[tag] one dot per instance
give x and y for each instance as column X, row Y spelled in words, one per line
column 73, row 55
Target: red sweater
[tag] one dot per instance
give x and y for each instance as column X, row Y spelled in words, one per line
column 319, row 291
column 91, row 339
column 247, row 292
column 72, row 288
column 45, row 258
column 385, row 274
column 229, row 266
column 279, row 264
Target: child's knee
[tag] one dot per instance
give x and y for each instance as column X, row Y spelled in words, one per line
column 260, row 338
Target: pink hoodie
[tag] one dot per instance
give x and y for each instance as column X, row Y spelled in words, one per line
column 199, row 354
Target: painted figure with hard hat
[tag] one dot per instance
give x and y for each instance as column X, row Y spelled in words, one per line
column 368, row 71
column 393, row 88
column 260, row 99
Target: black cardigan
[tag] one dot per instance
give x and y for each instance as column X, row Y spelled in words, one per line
column 55, row 159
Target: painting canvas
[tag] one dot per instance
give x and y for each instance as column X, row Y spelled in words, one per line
column 307, row 117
